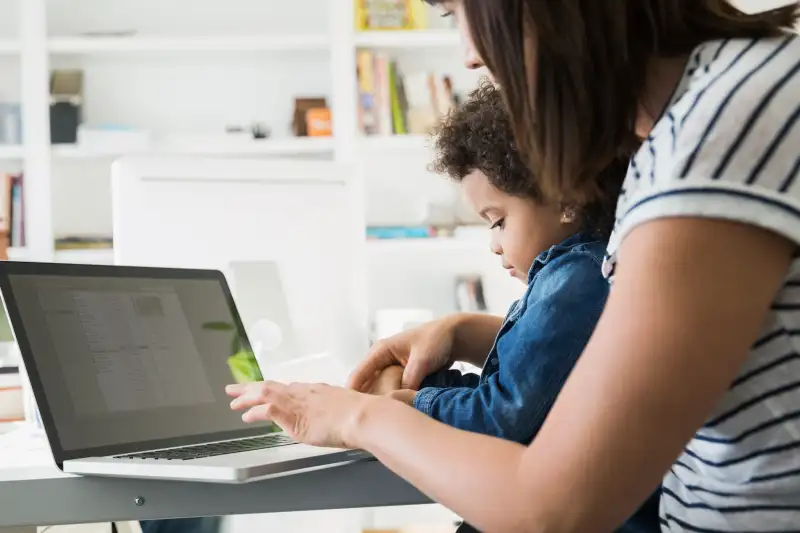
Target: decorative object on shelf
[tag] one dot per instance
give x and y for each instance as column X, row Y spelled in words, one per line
column 390, row 15
column 469, row 295
column 66, row 105
column 301, row 107
column 260, row 130
column 10, row 123
column 318, row 122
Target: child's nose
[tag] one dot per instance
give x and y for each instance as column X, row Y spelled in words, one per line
column 495, row 247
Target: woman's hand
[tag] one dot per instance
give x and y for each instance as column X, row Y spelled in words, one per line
column 316, row 414
column 428, row 348
column 421, row 351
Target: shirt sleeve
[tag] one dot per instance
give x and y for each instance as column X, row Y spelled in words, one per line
column 450, row 378
column 562, row 309
column 728, row 150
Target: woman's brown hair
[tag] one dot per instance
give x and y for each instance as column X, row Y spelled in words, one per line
column 573, row 72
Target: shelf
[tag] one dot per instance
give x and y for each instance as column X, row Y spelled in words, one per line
column 408, row 39
column 92, row 256
column 141, row 44
column 429, row 245
column 11, row 151
column 396, row 142
column 207, row 145
column 224, row 145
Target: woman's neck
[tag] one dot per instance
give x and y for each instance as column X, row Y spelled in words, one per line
column 663, row 76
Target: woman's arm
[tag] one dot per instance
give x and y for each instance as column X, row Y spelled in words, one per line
column 688, row 300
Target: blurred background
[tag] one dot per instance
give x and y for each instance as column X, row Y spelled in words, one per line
column 85, row 82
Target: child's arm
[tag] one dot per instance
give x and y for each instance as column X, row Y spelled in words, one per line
column 390, row 379
column 563, row 307
column 450, row 378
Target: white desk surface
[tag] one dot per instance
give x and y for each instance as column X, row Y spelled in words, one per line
column 33, row 492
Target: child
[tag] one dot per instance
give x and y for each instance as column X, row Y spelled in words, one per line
column 556, row 250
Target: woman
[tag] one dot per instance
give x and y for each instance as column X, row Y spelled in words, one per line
column 693, row 369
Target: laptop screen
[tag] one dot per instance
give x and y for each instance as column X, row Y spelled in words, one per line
column 133, row 359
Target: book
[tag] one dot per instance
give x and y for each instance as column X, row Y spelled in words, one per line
column 382, row 15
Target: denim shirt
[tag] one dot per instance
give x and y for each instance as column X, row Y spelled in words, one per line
column 538, row 345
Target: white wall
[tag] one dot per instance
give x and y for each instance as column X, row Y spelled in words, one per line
column 9, row 15
column 203, row 93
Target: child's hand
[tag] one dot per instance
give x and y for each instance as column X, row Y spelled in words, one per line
column 404, row 395
column 389, row 380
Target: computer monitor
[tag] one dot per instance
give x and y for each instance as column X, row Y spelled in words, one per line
column 300, row 216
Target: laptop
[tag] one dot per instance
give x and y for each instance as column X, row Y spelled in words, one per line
column 129, row 365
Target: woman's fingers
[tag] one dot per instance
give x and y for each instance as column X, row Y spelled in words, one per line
column 379, row 358
column 270, row 412
column 251, row 394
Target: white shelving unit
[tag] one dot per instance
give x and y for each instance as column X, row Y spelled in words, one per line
column 183, row 81
column 208, row 145
column 187, row 44
column 162, row 52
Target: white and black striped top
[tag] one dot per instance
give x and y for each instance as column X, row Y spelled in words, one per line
column 728, row 146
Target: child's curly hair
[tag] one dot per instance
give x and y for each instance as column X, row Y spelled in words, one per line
column 478, row 136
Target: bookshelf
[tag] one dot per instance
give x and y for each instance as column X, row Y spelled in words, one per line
column 136, row 61
column 207, row 145
column 187, row 44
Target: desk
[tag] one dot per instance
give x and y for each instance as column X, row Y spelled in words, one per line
column 29, row 479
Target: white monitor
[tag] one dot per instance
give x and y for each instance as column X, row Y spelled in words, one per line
column 297, row 221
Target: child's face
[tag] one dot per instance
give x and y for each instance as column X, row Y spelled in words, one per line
column 521, row 228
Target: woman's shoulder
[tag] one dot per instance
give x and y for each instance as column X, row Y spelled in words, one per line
column 731, row 121
column 727, row 81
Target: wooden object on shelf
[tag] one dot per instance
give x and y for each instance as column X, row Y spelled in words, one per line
column 301, row 107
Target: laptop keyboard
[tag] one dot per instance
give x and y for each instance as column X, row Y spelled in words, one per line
column 217, row 448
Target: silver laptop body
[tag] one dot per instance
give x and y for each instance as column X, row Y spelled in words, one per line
column 128, row 366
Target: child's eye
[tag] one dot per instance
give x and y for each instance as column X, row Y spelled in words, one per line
column 446, row 14
column 499, row 223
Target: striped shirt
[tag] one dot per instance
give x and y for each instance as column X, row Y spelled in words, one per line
column 728, row 147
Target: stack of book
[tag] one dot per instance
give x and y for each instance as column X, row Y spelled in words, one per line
column 391, row 103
